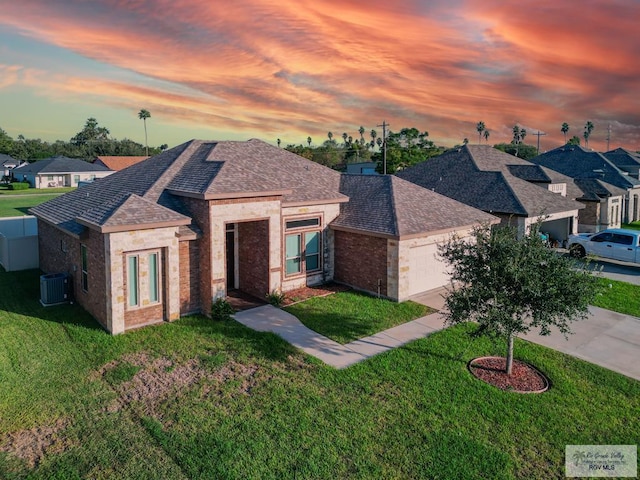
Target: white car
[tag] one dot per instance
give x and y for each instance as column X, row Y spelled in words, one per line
column 614, row 243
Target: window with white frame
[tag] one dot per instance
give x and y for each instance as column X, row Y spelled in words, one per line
column 143, row 278
column 302, row 249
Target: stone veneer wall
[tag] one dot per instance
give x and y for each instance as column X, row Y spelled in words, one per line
column 360, row 261
column 589, row 217
column 239, row 210
column 118, row 245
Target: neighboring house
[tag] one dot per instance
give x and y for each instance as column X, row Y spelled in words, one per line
column 602, row 201
column 59, row 172
column 586, row 165
column 366, row 168
column 118, row 163
column 625, row 160
column 482, row 177
column 171, row 234
column 7, row 164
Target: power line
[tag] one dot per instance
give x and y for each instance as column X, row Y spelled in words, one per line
column 539, row 134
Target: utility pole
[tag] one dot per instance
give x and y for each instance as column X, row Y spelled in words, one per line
column 384, row 146
column 539, row 134
column 608, row 136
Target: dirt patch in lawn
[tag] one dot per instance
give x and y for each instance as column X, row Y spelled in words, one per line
column 32, row 445
column 158, row 378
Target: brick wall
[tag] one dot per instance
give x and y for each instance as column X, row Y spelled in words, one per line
column 590, row 215
column 360, row 261
column 199, row 212
column 189, row 277
column 253, row 257
column 60, row 253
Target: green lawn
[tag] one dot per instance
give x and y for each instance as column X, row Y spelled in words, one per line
column 620, row 297
column 348, row 316
column 632, row 225
column 203, row 399
column 35, row 191
column 19, row 205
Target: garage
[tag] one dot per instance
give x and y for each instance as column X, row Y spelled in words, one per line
column 426, row 269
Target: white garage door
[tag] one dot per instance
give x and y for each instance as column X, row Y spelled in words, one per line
column 426, row 269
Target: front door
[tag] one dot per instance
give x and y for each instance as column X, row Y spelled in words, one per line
column 231, row 255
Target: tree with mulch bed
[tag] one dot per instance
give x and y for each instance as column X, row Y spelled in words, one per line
column 510, row 285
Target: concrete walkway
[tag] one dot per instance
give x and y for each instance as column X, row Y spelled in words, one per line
column 271, row 319
column 606, row 338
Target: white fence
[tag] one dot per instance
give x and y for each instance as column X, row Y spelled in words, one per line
column 19, row 243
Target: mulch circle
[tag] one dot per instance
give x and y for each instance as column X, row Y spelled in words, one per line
column 524, row 378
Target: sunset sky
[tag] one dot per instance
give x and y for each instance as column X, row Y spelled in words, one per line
column 290, row 69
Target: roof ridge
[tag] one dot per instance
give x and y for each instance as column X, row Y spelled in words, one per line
column 394, row 210
column 156, row 189
column 510, row 188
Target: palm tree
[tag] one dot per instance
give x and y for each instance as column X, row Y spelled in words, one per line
column 309, row 140
column 564, row 129
column 279, row 141
column 465, row 140
column 361, row 132
column 143, row 115
column 373, row 134
column 344, row 137
column 486, row 135
column 330, row 135
column 588, row 128
column 480, row 128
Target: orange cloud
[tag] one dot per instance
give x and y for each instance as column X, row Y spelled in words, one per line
column 306, row 67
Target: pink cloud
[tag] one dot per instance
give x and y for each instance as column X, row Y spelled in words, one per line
column 308, row 67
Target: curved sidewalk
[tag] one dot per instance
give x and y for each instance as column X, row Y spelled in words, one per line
column 605, row 338
column 268, row 318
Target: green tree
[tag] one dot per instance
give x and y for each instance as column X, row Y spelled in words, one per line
column 345, row 136
column 405, row 148
column 6, row 142
column 486, row 135
column 330, row 135
column 309, row 141
column 480, row 128
column 143, row 115
column 588, row 128
column 90, row 133
column 510, row 285
column 373, row 134
column 521, row 150
column 518, row 137
column 279, row 142
column 361, row 132
column 575, row 140
column 565, row 129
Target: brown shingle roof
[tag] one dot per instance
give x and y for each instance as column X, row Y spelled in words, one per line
column 118, row 163
column 196, row 168
column 479, row 175
column 388, row 205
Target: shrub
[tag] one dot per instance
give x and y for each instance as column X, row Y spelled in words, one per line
column 19, row 186
column 275, row 298
column 221, row 309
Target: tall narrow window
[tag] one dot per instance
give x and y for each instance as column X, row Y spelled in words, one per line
column 154, row 293
column 312, row 251
column 132, row 280
column 84, row 269
column 292, row 254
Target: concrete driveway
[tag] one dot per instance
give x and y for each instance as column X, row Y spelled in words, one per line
column 605, row 338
